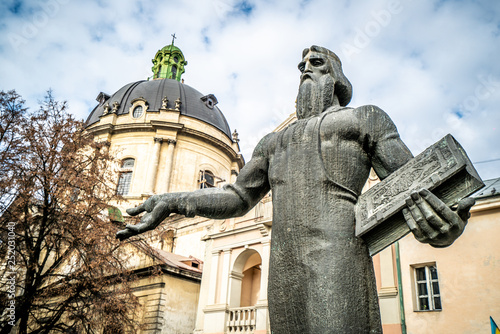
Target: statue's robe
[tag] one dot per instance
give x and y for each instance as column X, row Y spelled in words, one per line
column 321, row 277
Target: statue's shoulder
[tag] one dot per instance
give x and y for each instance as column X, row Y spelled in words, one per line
column 265, row 144
column 373, row 115
column 370, row 110
column 375, row 121
column 363, row 114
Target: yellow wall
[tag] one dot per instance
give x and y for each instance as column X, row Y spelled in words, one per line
column 469, row 276
column 168, row 304
column 188, row 145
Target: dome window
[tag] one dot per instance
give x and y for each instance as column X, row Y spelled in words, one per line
column 210, row 103
column 174, row 72
column 176, row 59
column 210, row 100
column 137, row 112
column 102, row 97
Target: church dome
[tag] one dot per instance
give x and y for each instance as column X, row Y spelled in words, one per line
column 192, row 102
column 165, row 135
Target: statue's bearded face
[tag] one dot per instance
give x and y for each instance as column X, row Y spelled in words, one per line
column 317, row 85
column 313, row 66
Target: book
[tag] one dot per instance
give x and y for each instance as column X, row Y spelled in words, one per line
column 444, row 169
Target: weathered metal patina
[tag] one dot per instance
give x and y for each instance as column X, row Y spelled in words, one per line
column 321, row 277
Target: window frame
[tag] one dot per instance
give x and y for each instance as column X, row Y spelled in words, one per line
column 202, row 181
column 135, row 108
column 125, row 171
column 432, row 298
column 174, row 72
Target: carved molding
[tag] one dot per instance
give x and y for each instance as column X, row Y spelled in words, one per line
column 264, row 230
column 236, row 275
column 219, row 143
column 149, row 287
column 215, row 308
column 388, row 292
column 157, row 125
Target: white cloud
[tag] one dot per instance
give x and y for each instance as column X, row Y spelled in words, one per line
column 422, row 62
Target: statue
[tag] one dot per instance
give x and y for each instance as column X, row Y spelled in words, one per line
column 178, row 103
column 116, row 105
column 164, row 102
column 106, row 109
column 235, row 136
column 321, row 277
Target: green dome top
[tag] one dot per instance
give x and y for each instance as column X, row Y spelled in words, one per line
column 171, row 48
column 169, row 63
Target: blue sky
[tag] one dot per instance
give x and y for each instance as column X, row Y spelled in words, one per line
column 431, row 65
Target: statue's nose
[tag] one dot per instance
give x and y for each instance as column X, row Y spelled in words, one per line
column 307, row 66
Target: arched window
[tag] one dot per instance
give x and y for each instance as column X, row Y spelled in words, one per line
column 174, row 72
column 137, row 112
column 125, row 176
column 159, row 71
column 207, row 179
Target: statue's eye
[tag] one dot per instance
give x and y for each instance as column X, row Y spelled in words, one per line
column 317, row 61
column 301, row 66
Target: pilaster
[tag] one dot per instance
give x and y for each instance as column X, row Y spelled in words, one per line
column 153, row 166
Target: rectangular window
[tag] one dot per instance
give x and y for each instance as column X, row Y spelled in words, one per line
column 428, row 297
column 124, row 183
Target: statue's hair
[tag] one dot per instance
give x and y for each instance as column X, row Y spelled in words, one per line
column 343, row 88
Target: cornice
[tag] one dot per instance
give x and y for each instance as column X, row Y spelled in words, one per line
column 155, row 125
column 217, row 142
column 262, row 227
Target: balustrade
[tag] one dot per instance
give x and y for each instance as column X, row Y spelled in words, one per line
column 241, row 320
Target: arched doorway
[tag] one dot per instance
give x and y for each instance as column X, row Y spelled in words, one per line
column 245, row 281
column 250, row 283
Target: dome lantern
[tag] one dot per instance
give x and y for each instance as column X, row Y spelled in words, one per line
column 169, row 63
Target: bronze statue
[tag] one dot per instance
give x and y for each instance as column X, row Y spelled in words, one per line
column 321, row 276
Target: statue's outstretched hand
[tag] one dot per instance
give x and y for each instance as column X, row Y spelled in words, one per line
column 432, row 221
column 157, row 209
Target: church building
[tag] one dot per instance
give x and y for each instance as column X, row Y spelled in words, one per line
column 169, row 137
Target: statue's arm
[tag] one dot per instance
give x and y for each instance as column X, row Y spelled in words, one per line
column 387, row 151
column 230, row 201
column 430, row 220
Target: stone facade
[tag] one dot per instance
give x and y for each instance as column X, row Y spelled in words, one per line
column 167, row 137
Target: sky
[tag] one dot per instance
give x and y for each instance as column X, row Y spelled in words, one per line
column 431, row 65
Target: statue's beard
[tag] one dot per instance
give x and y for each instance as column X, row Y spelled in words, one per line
column 315, row 96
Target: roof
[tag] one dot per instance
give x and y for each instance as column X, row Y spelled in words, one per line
column 154, row 91
column 171, row 48
column 492, row 188
column 179, row 261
